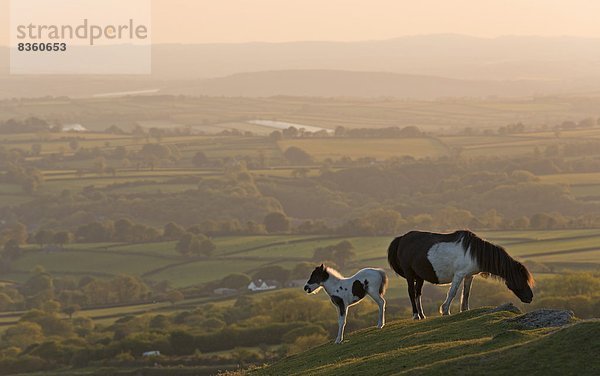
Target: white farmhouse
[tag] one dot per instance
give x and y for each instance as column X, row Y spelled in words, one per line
column 260, row 285
column 73, row 128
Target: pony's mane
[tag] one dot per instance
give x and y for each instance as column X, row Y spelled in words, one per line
column 494, row 259
column 333, row 272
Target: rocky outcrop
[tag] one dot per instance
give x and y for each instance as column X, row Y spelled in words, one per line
column 543, row 318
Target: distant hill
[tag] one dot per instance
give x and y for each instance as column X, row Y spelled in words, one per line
column 335, row 83
column 493, row 66
column 454, row 56
column 474, row 342
column 312, row 83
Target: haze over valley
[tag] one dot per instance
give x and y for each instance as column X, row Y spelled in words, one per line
column 424, row 67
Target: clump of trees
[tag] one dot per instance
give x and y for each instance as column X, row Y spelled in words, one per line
column 276, row 222
column 70, row 294
column 341, row 253
column 296, row 155
column 28, row 125
column 30, row 179
column 192, row 244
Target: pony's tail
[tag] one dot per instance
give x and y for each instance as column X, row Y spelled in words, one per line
column 393, row 256
column 384, row 282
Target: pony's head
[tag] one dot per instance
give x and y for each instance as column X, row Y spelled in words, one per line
column 520, row 283
column 316, row 280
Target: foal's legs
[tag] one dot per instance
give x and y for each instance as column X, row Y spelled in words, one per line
column 445, row 308
column 412, row 294
column 381, row 303
column 341, row 323
column 418, row 289
column 464, row 301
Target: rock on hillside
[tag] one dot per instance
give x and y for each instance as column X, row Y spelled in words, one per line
column 544, row 318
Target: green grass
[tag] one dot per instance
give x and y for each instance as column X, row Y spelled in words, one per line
column 474, row 342
column 570, row 350
column 194, row 273
column 79, row 262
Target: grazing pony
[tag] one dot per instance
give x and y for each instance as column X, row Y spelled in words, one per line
column 345, row 292
column 451, row 258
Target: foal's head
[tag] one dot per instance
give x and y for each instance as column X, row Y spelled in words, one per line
column 316, row 280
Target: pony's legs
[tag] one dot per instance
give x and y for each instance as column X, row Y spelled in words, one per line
column 418, row 289
column 411, row 293
column 464, row 301
column 381, row 303
column 341, row 324
column 445, row 308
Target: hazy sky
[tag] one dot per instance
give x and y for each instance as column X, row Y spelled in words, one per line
column 205, row 21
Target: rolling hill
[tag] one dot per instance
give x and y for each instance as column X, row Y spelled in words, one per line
column 410, row 66
column 301, row 82
column 338, row 83
column 474, row 342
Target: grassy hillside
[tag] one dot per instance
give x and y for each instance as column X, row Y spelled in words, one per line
column 465, row 343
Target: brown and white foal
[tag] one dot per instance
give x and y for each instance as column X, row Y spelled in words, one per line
column 345, row 292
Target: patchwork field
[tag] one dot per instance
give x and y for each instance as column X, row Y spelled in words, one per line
column 77, row 174
column 159, row 261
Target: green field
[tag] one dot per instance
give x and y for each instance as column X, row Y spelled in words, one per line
column 321, row 149
column 159, row 261
column 504, row 146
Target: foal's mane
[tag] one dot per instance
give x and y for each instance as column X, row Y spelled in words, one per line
column 333, row 272
column 495, row 260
